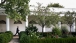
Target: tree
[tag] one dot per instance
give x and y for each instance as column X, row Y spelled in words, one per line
column 45, row 17
column 16, row 9
column 68, row 18
column 55, row 5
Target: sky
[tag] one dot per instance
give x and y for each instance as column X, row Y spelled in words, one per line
column 65, row 3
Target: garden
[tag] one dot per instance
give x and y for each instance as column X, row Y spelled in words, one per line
column 46, row 18
column 30, row 35
column 19, row 9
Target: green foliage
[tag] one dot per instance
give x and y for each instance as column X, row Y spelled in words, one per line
column 5, row 37
column 29, row 34
column 22, row 32
column 16, row 9
column 27, row 39
column 56, row 31
column 9, row 35
column 30, row 29
column 24, row 38
column 55, row 5
column 73, row 33
column 32, row 22
column 53, row 40
column 45, row 17
column 45, row 34
column 64, row 30
column 54, row 19
column 68, row 18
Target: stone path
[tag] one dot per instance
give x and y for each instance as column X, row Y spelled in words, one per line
column 15, row 39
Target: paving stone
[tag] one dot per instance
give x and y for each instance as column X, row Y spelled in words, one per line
column 15, row 40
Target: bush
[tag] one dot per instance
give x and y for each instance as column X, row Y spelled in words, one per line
column 56, row 31
column 54, row 40
column 25, row 38
column 20, row 34
column 3, row 38
column 9, row 34
column 64, row 30
column 73, row 33
column 6, row 37
column 30, row 29
column 45, row 34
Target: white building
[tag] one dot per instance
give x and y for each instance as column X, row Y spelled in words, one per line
column 7, row 24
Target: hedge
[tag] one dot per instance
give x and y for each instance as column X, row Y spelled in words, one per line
column 26, row 39
column 6, row 37
column 3, row 38
column 20, row 34
column 45, row 34
column 9, row 35
column 54, row 40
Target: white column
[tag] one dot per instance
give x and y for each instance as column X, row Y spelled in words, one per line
column 7, row 24
column 44, row 29
column 73, row 26
column 27, row 21
column 59, row 24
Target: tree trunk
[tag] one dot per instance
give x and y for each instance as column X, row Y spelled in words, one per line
column 42, row 29
column 70, row 29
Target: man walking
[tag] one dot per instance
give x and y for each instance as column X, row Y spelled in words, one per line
column 17, row 30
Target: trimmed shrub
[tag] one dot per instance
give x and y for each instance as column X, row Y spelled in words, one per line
column 3, row 38
column 9, row 34
column 6, row 37
column 45, row 34
column 24, row 38
column 73, row 33
column 20, row 34
column 27, row 39
column 54, row 40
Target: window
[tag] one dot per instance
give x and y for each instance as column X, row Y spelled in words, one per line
column 18, row 22
column 2, row 22
column 32, row 22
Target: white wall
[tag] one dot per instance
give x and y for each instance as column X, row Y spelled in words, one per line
column 49, row 29
column 2, row 26
column 21, row 26
column 13, row 26
column 40, row 28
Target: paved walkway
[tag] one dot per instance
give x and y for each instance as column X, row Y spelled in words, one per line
column 15, row 39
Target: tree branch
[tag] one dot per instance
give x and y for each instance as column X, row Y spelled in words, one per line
column 2, row 2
